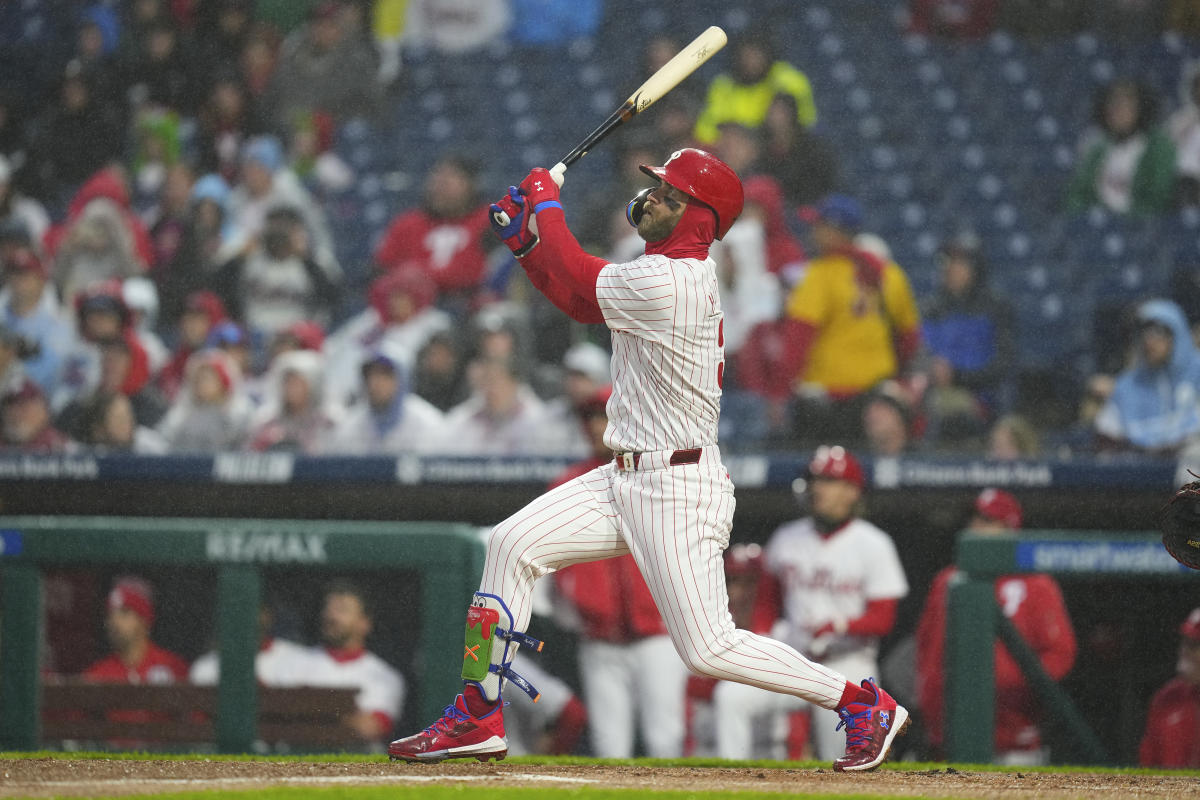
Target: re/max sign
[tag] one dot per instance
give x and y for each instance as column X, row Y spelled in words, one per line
column 275, row 548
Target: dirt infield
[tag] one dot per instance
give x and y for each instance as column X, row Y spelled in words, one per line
column 48, row 777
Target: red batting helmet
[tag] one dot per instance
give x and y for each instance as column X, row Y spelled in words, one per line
column 708, row 179
column 837, row 463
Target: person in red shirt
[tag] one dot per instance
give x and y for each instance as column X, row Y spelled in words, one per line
column 1034, row 604
column 631, row 675
column 135, row 658
column 1172, row 737
column 445, row 238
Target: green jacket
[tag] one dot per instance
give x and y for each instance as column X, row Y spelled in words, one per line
column 729, row 101
column 1153, row 180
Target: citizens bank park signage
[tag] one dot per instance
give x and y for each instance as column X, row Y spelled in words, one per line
column 776, row 470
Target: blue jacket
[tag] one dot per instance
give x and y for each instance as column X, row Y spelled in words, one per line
column 1157, row 408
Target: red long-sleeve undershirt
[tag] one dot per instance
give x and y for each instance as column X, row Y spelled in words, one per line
column 876, row 620
column 560, row 269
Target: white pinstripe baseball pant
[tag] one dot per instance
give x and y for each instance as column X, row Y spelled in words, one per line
column 675, row 520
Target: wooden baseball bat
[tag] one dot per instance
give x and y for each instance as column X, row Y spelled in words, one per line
column 684, row 63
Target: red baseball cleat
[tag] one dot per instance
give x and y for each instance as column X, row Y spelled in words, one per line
column 457, row 734
column 870, row 730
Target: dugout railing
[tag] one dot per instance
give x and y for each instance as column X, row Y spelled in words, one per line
column 448, row 557
column 975, row 622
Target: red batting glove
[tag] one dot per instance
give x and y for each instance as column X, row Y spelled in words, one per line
column 540, row 188
column 511, row 222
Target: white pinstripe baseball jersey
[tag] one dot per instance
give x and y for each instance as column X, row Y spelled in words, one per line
column 666, row 322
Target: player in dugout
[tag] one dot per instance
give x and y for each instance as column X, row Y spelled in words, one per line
column 666, row 498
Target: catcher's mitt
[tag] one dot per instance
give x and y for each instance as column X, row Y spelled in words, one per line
column 1180, row 524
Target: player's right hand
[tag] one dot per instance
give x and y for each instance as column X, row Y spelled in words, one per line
column 511, row 223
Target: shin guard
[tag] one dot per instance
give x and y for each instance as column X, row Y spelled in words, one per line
column 491, row 646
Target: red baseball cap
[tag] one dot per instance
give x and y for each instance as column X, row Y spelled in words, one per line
column 1190, row 628
column 1000, row 506
column 133, row 594
column 23, row 259
column 836, row 463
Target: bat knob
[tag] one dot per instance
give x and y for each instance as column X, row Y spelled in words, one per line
column 500, row 218
column 558, row 172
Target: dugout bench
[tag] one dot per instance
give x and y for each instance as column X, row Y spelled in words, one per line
column 449, row 558
column 975, row 622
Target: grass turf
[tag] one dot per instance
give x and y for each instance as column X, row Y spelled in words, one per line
column 916, row 766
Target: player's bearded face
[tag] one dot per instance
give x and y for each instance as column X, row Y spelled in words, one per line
column 663, row 210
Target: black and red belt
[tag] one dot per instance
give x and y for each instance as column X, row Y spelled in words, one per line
column 626, row 460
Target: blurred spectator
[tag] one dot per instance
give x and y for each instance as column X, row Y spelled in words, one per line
column 803, row 162
column 156, row 150
column 30, row 309
column 553, row 725
column 1126, row 160
column 205, row 238
column 1172, row 735
column 222, row 29
column 887, row 421
column 18, row 210
column 233, row 340
column 502, row 417
column 169, row 215
column 841, row 582
column 744, row 94
column 445, row 237
column 258, row 60
column 311, row 154
column 267, row 184
column 224, row 122
column 303, row 335
column 344, row 661
column 141, row 298
column 294, row 416
column 765, row 201
column 455, row 26
column 399, row 318
column 440, row 375
column 135, row 657
column 211, row 412
column 323, row 69
column 160, row 73
column 388, row 418
column 1034, row 604
column 201, row 312
column 849, row 300
column 1013, row 437
column 97, row 39
column 26, row 424
column 278, row 281
column 108, row 425
column 955, row 19
column 1154, row 405
column 102, row 318
column 586, row 371
column 1183, row 126
column 121, row 372
column 633, row 682
column 63, row 158
column 968, row 332
column 100, row 238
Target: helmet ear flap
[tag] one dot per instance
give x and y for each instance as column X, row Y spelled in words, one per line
column 637, row 206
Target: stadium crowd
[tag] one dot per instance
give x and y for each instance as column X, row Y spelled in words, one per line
column 171, row 278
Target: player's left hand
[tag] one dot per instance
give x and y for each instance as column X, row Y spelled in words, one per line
column 539, row 187
column 511, row 223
